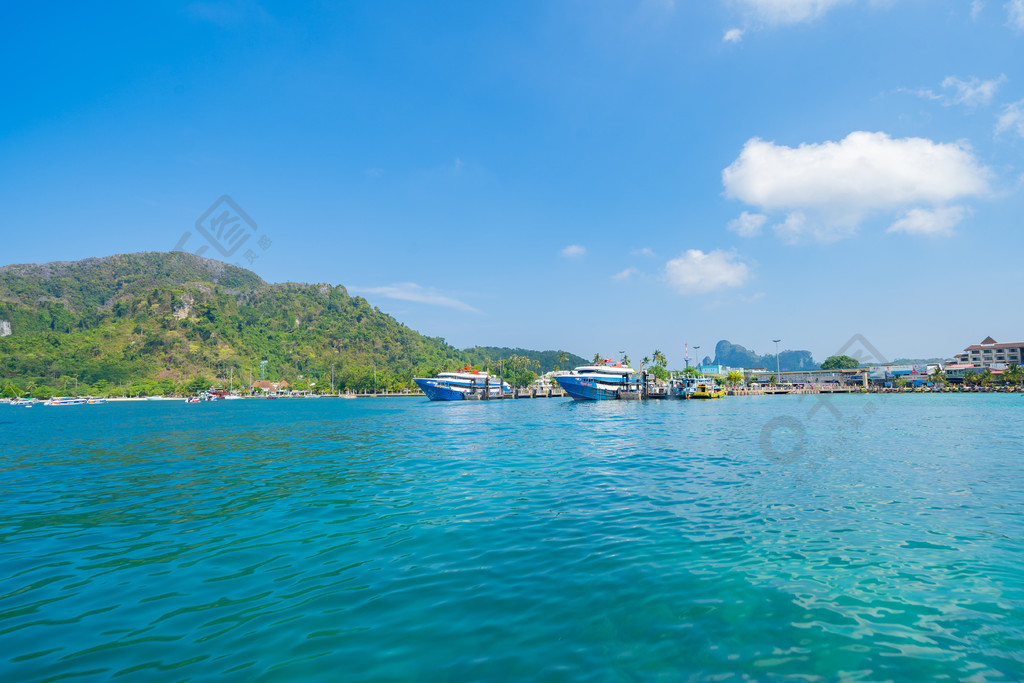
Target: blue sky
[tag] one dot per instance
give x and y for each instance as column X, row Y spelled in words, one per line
column 593, row 176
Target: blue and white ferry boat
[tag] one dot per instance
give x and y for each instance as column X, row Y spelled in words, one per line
column 599, row 382
column 464, row 384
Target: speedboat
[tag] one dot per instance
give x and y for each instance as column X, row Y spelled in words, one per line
column 600, row 382
column 464, row 384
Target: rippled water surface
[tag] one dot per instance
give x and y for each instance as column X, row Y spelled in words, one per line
column 399, row 539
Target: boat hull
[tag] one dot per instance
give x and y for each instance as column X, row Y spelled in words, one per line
column 438, row 392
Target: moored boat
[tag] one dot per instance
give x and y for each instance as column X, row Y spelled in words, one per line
column 600, row 382
column 694, row 386
column 464, row 384
column 66, row 401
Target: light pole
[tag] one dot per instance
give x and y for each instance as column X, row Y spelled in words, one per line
column 696, row 358
column 778, row 372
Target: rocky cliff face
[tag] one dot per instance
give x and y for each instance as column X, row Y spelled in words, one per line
column 736, row 356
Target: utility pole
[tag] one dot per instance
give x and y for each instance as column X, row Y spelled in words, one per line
column 332, row 378
column 778, row 372
column 375, row 377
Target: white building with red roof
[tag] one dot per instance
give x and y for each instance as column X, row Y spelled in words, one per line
column 991, row 354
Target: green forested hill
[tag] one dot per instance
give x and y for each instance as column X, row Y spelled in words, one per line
column 541, row 361
column 162, row 322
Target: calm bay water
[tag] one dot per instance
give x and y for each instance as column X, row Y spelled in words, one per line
column 398, row 539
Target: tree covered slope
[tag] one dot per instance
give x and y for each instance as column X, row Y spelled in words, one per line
column 152, row 322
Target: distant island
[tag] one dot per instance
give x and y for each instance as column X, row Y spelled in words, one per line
column 159, row 323
column 736, row 356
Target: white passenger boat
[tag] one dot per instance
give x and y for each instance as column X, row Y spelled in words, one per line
column 600, row 382
column 466, row 383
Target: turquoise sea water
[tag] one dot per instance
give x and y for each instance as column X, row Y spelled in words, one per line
column 880, row 538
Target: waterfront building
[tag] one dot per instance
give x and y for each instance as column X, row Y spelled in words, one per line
column 955, row 371
column 914, row 375
column 991, row 354
column 269, row 387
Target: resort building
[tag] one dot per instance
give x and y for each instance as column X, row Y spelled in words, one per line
column 269, row 387
column 991, row 354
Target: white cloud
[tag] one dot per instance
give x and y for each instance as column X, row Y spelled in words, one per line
column 695, row 272
column 788, row 11
column 748, row 224
column 976, row 7
column 624, row 275
column 646, row 251
column 410, row 291
column 574, row 251
column 733, row 35
column 973, row 92
column 828, row 189
column 1015, row 14
column 1012, row 119
column 932, row 222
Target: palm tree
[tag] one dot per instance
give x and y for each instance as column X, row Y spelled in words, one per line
column 644, row 362
column 986, row 378
column 969, row 378
column 659, row 358
column 1014, row 373
column 597, row 358
column 733, row 377
column 625, row 360
column 939, row 376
